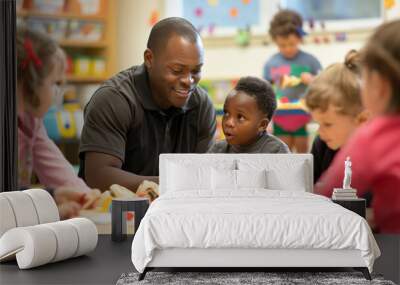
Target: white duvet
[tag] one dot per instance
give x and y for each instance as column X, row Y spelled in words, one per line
column 250, row 219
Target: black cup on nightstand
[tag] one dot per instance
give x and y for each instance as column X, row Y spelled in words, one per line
column 119, row 208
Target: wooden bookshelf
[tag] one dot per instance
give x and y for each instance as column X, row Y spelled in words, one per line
column 83, row 44
column 85, row 79
column 104, row 48
column 62, row 15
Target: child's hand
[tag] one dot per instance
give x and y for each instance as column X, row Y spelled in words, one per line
column 289, row 81
column 306, row 78
column 68, row 194
column 86, row 200
column 89, row 201
column 68, row 210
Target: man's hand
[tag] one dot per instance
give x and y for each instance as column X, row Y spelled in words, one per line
column 148, row 189
column 103, row 170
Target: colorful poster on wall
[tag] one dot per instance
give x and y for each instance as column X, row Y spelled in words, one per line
column 222, row 14
column 335, row 9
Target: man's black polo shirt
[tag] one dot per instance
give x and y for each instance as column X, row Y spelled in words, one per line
column 121, row 119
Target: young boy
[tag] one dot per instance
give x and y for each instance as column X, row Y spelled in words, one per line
column 290, row 70
column 248, row 109
column 334, row 101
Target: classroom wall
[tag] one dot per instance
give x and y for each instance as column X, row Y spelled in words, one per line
column 220, row 62
column 237, row 61
column 133, row 29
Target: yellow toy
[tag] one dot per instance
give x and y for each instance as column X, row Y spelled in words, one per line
column 290, row 81
column 146, row 189
column 119, row 191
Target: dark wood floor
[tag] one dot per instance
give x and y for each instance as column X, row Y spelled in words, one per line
column 106, row 264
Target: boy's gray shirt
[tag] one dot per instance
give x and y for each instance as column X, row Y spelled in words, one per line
column 266, row 143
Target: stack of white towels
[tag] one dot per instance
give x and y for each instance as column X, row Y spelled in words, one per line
column 31, row 231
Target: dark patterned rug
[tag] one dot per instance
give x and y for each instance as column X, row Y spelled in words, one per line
column 225, row 278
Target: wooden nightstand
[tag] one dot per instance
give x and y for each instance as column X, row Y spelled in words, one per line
column 356, row 205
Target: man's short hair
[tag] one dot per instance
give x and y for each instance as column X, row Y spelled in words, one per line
column 261, row 90
column 164, row 29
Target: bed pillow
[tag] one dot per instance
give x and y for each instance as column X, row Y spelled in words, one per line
column 279, row 180
column 227, row 179
column 283, row 172
column 251, row 178
column 182, row 177
column 223, row 179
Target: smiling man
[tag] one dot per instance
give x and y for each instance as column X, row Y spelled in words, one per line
column 147, row 110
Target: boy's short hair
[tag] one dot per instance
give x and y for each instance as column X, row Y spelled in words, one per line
column 261, row 90
column 339, row 85
column 284, row 23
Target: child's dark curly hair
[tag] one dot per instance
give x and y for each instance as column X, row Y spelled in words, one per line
column 285, row 23
column 261, row 90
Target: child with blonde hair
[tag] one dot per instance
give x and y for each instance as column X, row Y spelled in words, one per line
column 374, row 148
column 40, row 75
column 334, row 101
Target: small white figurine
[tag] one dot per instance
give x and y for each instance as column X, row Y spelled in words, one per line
column 347, row 174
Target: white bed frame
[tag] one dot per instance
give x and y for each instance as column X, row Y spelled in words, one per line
column 234, row 257
column 252, row 258
column 256, row 258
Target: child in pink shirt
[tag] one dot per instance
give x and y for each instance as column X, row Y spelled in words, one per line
column 40, row 73
column 374, row 149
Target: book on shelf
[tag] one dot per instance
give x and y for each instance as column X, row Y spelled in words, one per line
column 344, row 191
column 344, row 198
column 344, row 194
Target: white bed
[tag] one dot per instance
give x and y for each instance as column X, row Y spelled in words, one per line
column 213, row 212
